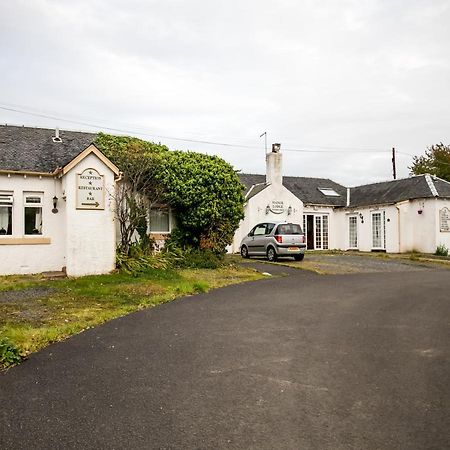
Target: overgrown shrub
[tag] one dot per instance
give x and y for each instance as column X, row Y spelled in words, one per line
column 196, row 258
column 9, row 353
column 140, row 259
column 441, row 250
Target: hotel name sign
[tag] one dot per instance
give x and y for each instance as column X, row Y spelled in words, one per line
column 90, row 190
column 277, row 206
column 444, row 220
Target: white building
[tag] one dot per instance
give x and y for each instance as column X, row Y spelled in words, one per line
column 395, row 216
column 55, row 203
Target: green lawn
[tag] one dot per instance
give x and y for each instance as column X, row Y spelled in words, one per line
column 35, row 312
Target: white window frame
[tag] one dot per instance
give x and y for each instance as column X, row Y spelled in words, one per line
column 28, row 204
column 7, row 200
column 160, row 207
column 318, row 239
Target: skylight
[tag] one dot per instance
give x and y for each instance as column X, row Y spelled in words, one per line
column 329, row 192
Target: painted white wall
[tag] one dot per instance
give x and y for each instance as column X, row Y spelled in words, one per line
column 255, row 211
column 27, row 258
column 90, row 234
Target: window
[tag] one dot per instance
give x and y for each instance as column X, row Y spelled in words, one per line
column 159, row 220
column 289, row 228
column 329, row 192
column 353, row 232
column 269, row 228
column 6, row 202
column 260, row 230
column 33, row 213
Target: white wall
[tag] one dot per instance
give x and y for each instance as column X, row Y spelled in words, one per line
column 255, row 211
column 27, row 258
column 90, row 234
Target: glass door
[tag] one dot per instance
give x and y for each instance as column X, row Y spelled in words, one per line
column 353, row 232
column 378, row 231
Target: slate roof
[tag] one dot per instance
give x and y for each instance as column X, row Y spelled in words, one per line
column 398, row 190
column 388, row 192
column 32, row 149
column 304, row 188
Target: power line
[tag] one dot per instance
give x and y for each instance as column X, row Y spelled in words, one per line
column 313, row 149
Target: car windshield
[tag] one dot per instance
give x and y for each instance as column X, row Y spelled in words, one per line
column 289, row 228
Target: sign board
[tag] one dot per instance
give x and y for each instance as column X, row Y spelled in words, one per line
column 90, row 190
column 444, row 220
column 277, row 206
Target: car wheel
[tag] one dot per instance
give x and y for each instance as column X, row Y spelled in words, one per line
column 244, row 251
column 299, row 257
column 271, row 254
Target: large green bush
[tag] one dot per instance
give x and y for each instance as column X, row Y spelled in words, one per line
column 206, row 195
column 203, row 191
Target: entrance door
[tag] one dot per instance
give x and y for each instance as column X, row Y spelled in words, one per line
column 316, row 230
column 353, row 232
column 378, row 231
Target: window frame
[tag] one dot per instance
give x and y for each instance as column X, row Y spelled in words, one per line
column 7, row 201
column 28, row 204
column 169, row 217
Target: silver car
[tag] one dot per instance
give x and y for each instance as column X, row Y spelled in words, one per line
column 274, row 239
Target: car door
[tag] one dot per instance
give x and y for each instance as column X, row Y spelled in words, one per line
column 259, row 239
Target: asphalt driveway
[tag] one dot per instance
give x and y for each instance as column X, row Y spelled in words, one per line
column 355, row 361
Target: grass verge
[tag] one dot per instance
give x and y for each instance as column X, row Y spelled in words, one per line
column 35, row 312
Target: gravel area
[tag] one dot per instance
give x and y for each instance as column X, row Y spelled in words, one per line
column 25, row 294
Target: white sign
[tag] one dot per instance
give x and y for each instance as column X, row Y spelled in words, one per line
column 277, row 207
column 444, row 220
column 90, row 190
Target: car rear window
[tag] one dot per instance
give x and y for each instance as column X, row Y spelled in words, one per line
column 289, row 228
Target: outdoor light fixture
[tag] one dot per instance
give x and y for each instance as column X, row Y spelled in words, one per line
column 289, row 210
column 267, row 209
column 361, row 217
column 55, row 204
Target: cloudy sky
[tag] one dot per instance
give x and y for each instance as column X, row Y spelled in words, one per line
column 337, row 83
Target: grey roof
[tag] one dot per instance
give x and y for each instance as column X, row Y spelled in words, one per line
column 304, row 188
column 397, row 190
column 32, row 149
column 388, row 192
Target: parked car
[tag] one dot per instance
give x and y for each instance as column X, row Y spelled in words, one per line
column 273, row 240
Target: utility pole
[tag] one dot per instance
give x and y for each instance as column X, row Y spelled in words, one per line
column 394, row 172
column 265, row 140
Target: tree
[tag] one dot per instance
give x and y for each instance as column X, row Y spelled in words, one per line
column 435, row 162
column 138, row 189
column 206, row 195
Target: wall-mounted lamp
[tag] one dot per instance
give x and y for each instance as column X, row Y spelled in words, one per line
column 55, row 204
column 361, row 217
column 420, row 211
column 267, row 209
column 289, row 211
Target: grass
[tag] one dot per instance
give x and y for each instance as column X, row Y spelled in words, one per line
column 35, row 312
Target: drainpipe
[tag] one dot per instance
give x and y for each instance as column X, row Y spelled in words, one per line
column 398, row 228
column 348, row 197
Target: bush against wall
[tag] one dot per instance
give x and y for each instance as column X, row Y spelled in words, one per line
column 206, row 195
column 203, row 191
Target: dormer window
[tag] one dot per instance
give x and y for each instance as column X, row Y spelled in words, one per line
column 329, row 192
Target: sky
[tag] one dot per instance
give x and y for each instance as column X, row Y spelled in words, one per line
column 337, row 83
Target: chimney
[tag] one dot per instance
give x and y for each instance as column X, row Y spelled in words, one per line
column 56, row 137
column 274, row 174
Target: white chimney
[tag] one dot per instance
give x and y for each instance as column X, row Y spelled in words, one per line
column 274, row 174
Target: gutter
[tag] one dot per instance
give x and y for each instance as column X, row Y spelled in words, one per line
column 29, row 172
